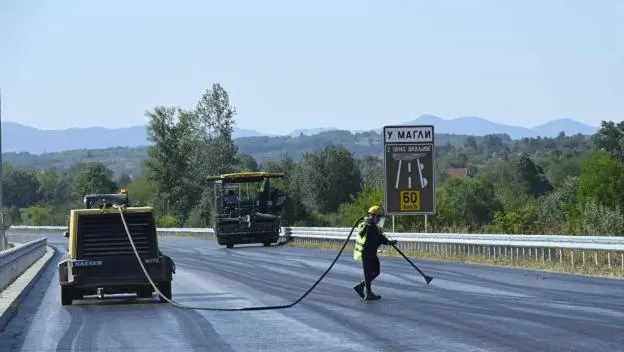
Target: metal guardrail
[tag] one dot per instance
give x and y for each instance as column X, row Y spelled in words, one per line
column 14, row 261
column 569, row 250
column 574, row 251
column 553, row 241
column 340, row 233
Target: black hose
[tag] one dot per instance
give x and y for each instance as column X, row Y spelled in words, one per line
column 243, row 309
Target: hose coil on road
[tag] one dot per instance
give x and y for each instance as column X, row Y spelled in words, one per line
column 243, row 309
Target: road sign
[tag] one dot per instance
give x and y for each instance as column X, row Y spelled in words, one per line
column 409, row 162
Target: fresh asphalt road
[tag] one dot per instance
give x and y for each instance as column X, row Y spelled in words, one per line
column 466, row 308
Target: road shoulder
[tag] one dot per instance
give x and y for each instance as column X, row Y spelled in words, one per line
column 11, row 297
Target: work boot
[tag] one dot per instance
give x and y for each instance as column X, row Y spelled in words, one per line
column 359, row 288
column 370, row 296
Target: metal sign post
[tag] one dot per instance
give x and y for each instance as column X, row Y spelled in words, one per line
column 409, row 163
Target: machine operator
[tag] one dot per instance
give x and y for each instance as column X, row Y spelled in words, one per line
column 369, row 237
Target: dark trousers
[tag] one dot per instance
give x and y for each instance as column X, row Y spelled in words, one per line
column 372, row 268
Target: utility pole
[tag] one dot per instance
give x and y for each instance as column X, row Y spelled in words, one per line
column 3, row 241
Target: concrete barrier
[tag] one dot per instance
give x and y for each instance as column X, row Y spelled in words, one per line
column 15, row 261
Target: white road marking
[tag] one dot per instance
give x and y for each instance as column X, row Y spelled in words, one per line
column 398, row 176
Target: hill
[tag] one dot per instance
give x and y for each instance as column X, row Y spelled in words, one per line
column 20, row 138
column 477, row 126
column 128, row 159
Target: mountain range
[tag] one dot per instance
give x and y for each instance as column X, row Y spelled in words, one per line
column 20, row 138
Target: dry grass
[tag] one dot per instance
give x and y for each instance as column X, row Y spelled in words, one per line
column 542, row 264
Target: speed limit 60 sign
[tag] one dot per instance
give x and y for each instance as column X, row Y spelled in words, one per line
column 409, row 162
column 410, row 200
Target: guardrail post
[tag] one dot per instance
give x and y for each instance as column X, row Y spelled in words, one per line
column 572, row 257
column 560, row 256
column 609, row 259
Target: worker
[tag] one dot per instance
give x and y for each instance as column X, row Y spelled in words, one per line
column 369, row 237
column 231, row 198
column 127, row 200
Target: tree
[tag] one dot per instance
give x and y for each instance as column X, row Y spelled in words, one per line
column 293, row 208
column 169, row 159
column 214, row 120
column 532, row 177
column 20, row 186
column 466, row 202
column 124, row 180
column 493, row 143
column 601, row 180
column 558, row 210
column 95, row 179
column 372, row 172
column 517, row 180
column 54, row 188
column 610, row 138
column 188, row 146
column 330, row 177
column 140, row 192
column 246, row 162
column 471, row 142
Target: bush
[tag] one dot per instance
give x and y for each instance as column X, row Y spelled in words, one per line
column 42, row 216
column 167, row 221
column 522, row 220
column 599, row 220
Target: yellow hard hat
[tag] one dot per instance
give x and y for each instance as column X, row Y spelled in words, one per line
column 375, row 209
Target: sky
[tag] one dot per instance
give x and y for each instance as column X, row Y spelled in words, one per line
column 291, row 64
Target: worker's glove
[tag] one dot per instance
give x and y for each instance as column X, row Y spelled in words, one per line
column 392, row 242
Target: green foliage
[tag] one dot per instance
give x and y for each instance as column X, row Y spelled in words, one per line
column 470, row 202
column 330, row 177
column 350, row 211
column 610, row 138
column 168, row 221
column 523, row 220
column 188, row 146
column 562, row 185
column 94, row 179
column 21, row 187
column 602, row 180
column 558, row 212
column 42, row 216
column 140, row 192
column 600, row 220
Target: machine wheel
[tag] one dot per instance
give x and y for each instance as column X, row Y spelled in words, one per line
column 67, row 295
column 229, row 245
column 266, row 243
column 165, row 289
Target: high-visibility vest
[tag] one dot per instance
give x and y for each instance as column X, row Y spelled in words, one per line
column 360, row 239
